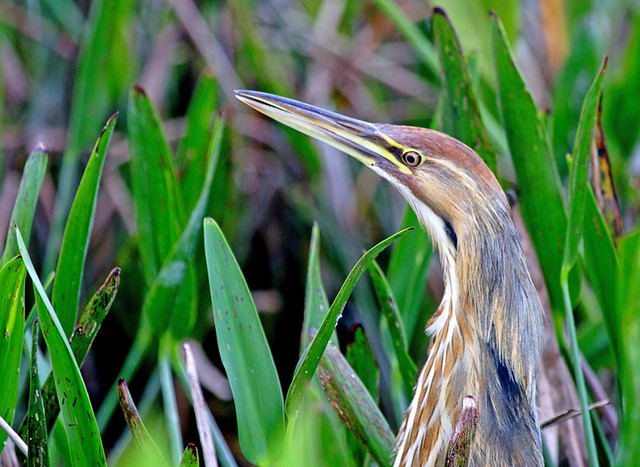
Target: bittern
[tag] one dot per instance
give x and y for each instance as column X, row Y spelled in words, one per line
column 486, row 335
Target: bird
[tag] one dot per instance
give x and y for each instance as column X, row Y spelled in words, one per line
column 486, row 334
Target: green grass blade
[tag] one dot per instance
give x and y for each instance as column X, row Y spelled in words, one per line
column 159, row 304
column 408, row 273
column 153, row 175
column 143, row 441
column 75, row 242
column 578, row 186
column 628, row 310
column 316, row 303
column 37, row 439
column 578, row 175
column 12, row 277
column 26, row 200
column 77, row 413
column 354, row 405
column 194, row 147
column 460, row 110
column 244, row 352
column 308, row 363
column 394, row 325
column 540, row 196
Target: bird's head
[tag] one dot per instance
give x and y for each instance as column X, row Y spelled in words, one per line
column 446, row 183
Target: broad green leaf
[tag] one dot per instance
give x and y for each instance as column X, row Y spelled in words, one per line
column 160, row 303
column 578, row 175
column 628, row 311
column 460, row 109
column 12, row 277
column 158, row 210
column 309, row 360
column 244, row 352
column 316, row 304
column 354, row 405
column 408, row 273
column 540, row 194
column 77, row 232
column 76, row 411
column 26, row 200
column 394, row 326
column 141, row 437
column 36, row 418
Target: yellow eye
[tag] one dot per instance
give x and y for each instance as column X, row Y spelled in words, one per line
column 412, row 158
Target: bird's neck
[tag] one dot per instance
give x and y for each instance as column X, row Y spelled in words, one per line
column 486, row 326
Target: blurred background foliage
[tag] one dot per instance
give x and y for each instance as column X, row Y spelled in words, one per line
column 170, row 67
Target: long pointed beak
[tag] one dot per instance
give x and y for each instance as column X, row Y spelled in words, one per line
column 361, row 140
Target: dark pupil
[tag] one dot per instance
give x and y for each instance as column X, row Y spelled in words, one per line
column 411, row 158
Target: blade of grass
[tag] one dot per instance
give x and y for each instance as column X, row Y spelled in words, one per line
column 461, row 116
column 354, row 405
column 244, row 352
column 26, row 200
column 158, row 211
column 75, row 241
column 540, row 194
column 578, row 175
column 159, row 303
column 316, row 303
column 141, row 436
column 37, row 438
column 308, row 362
column 578, row 186
column 194, row 147
column 77, row 413
column 12, row 276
